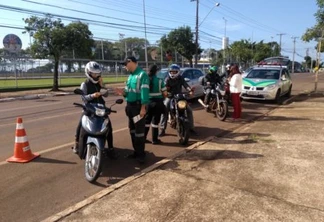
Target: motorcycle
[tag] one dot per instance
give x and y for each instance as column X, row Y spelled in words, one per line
column 218, row 103
column 93, row 135
column 179, row 117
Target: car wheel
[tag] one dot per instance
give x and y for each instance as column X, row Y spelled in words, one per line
column 277, row 99
column 289, row 92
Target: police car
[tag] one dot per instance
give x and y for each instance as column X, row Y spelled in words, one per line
column 267, row 82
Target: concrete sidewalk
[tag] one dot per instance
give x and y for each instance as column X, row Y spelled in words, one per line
column 268, row 170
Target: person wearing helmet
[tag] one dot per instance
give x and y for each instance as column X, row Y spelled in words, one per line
column 91, row 88
column 174, row 83
column 210, row 80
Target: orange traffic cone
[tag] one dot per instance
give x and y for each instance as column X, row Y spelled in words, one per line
column 22, row 152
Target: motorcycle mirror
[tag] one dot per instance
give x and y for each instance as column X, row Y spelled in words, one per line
column 119, row 101
column 78, row 91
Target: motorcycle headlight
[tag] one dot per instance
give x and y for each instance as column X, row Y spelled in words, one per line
column 100, row 112
column 182, row 104
column 272, row 86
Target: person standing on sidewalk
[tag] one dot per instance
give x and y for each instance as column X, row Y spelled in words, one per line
column 235, row 82
column 136, row 93
column 155, row 107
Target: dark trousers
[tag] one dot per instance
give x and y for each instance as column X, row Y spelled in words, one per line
column 109, row 134
column 136, row 130
column 236, row 101
column 154, row 111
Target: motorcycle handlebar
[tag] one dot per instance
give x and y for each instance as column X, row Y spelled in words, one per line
column 78, row 104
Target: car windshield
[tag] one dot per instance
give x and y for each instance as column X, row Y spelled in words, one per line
column 263, row 74
column 162, row 74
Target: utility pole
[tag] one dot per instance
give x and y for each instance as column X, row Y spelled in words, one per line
column 293, row 62
column 121, row 37
column 197, row 27
column 225, row 46
column 102, row 51
column 280, row 34
column 146, row 59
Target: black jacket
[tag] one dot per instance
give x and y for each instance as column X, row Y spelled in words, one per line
column 174, row 86
column 213, row 78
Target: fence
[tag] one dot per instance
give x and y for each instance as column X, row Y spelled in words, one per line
column 24, row 72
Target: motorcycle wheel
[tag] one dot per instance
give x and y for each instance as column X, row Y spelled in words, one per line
column 183, row 133
column 221, row 111
column 93, row 163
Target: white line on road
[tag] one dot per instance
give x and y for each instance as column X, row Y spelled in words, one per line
column 48, row 117
column 64, row 145
column 19, row 108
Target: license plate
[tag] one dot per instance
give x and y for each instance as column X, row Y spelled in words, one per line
column 253, row 93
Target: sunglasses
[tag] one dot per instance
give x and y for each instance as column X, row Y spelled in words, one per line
column 173, row 72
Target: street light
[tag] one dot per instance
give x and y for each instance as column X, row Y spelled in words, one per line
column 216, row 5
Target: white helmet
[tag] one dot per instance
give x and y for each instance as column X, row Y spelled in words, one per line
column 174, row 71
column 92, row 67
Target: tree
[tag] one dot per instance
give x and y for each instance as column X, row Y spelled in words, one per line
column 242, row 50
column 181, row 40
column 317, row 31
column 52, row 38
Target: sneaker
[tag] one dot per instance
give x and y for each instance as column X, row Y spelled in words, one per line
column 112, row 154
column 193, row 132
column 75, row 148
column 158, row 141
column 162, row 133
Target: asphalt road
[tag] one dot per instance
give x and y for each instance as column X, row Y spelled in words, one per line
column 54, row 181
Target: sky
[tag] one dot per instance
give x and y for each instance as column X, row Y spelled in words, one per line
column 253, row 20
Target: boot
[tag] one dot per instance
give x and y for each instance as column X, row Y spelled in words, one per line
column 162, row 133
column 155, row 134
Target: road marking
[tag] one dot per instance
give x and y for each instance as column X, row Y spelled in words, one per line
column 19, row 108
column 48, row 117
column 64, row 145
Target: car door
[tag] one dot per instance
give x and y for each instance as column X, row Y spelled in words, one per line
column 187, row 74
column 285, row 81
column 199, row 89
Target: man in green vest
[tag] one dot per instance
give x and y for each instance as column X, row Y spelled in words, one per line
column 136, row 93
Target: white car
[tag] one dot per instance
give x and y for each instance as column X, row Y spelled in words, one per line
column 267, row 82
column 191, row 76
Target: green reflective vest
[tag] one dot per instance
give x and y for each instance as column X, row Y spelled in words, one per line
column 137, row 87
column 158, row 87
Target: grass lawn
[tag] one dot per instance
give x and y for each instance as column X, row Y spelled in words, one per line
column 12, row 84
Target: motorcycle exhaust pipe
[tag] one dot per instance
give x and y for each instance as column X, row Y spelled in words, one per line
column 202, row 103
